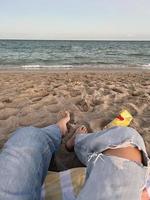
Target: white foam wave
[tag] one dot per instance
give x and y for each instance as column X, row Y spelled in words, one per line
column 109, row 66
column 100, row 66
column 146, row 66
column 31, row 66
column 45, row 66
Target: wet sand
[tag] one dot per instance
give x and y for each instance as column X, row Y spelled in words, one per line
column 94, row 98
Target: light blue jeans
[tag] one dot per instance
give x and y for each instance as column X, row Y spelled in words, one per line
column 25, row 158
column 24, row 162
column 111, row 177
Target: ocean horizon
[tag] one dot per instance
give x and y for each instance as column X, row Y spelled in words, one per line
column 107, row 54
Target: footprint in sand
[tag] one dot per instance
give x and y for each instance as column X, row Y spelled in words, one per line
column 98, row 124
column 2, row 105
column 7, row 112
column 7, row 100
column 83, row 105
column 74, row 93
column 132, row 108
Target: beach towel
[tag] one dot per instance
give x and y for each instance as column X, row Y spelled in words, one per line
column 64, row 185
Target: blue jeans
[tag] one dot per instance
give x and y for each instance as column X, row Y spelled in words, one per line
column 25, row 158
column 111, row 177
column 24, row 162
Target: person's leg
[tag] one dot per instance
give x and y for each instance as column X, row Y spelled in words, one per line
column 122, row 142
column 118, row 141
column 25, row 159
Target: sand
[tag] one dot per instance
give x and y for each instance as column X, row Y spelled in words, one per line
column 93, row 98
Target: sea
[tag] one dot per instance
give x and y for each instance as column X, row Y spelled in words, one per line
column 38, row 54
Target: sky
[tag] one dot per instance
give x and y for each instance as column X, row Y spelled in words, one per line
column 75, row 19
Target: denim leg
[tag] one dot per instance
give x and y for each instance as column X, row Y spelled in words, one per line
column 91, row 144
column 81, row 148
column 106, row 174
column 24, row 162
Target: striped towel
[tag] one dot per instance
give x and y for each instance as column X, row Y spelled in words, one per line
column 64, row 185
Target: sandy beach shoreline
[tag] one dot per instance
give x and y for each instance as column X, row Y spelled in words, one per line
column 94, row 98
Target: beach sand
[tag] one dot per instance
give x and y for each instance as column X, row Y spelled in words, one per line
column 93, row 98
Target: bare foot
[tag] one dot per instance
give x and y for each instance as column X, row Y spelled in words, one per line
column 70, row 143
column 62, row 123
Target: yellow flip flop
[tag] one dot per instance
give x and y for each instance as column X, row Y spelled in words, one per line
column 123, row 119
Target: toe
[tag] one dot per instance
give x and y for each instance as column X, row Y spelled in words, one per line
column 67, row 114
column 63, row 115
column 85, row 130
column 82, row 129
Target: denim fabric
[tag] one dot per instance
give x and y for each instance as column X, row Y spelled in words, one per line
column 24, row 162
column 111, row 177
column 25, row 158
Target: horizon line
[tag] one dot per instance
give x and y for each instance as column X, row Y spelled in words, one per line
column 23, row 39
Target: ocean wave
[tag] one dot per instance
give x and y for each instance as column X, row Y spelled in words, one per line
column 138, row 54
column 76, row 66
column 67, row 54
column 45, row 66
column 146, row 66
column 31, row 66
